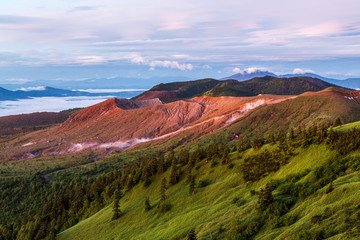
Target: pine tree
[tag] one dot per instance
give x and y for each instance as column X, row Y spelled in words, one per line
column 265, row 197
column 116, row 206
column 163, row 189
column 162, row 164
column 271, row 138
column 174, row 174
column 145, row 176
column 337, row 122
column 330, row 188
column 189, row 175
column 184, row 157
column 191, row 235
column 192, row 185
column 291, row 134
column 147, row 204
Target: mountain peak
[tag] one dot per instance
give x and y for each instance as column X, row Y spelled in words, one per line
column 249, row 74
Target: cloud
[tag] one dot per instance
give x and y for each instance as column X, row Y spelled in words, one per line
column 324, row 29
column 15, row 19
column 83, row 8
column 302, row 71
column 171, row 64
column 48, row 104
column 249, row 70
column 237, row 70
column 90, row 90
column 206, row 67
column 88, row 60
column 40, row 88
column 137, row 59
column 17, row 80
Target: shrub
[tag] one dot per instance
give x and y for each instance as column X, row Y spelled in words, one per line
column 164, row 207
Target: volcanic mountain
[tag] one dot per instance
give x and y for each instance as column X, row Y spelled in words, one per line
column 210, row 87
column 121, row 123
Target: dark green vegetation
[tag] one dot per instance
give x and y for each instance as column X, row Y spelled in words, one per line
column 214, row 88
column 268, row 85
column 307, row 184
column 180, row 90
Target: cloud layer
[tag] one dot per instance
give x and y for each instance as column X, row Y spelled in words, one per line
column 184, row 35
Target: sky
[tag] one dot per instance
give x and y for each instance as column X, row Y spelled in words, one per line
column 76, row 40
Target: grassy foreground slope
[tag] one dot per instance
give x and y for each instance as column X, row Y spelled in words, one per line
column 315, row 196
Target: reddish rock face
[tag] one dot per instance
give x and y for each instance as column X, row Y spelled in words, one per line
column 122, row 123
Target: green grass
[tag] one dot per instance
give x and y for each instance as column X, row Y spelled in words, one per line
column 213, row 205
column 348, row 126
column 43, row 165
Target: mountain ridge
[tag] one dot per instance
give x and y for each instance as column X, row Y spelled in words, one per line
column 211, row 87
column 353, row 83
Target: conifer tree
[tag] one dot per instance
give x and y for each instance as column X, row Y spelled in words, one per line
column 116, row 206
column 162, row 164
column 330, row 188
column 147, row 204
column 271, row 138
column 184, row 157
column 265, row 197
column 146, row 177
column 189, row 175
column 192, row 185
column 191, row 235
column 337, row 122
column 163, row 189
column 174, row 174
column 291, row 134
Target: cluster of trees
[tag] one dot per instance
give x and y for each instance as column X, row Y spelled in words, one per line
column 47, row 209
column 35, row 209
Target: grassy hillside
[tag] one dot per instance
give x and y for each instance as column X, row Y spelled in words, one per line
column 315, row 196
column 348, row 126
column 268, row 85
column 74, row 188
column 214, row 88
column 179, row 90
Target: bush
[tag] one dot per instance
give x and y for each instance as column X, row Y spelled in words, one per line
column 164, row 207
column 238, row 201
column 277, row 222
column 204, row 183
column 244, row 230
column 316, row 219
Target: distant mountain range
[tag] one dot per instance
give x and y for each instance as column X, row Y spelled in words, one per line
column 6, row 94
column 353, row 83
column 44, row 92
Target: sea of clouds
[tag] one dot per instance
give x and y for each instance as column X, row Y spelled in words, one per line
column 56, row 104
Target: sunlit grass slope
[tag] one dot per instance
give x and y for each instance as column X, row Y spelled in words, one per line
column 215, row 204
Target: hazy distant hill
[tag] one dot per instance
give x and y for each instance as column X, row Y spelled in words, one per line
column 44, row 92
column 246, row 75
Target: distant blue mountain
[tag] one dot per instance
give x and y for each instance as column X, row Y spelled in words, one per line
column 353, row 83
column 247, row 75
column 6, row 94
column 42, row 92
